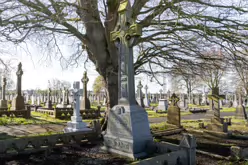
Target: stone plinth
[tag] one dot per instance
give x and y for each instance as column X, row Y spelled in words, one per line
column 3, row 104
column 76, row 124
column 128, row 131
column 63, row 106
column 18, row 103
column 163, row 104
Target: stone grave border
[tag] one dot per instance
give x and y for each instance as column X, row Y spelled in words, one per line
column 66, row 113
column 34, row 144
column 26, row 113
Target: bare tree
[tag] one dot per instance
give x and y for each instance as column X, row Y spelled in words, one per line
column 176, row 30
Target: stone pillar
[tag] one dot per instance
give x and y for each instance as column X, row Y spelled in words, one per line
column 128, row 130
column 140, row 95
column 76, row 124
column 49, row 102
column 147, row 100
column 18, row 101
column 85, row 103
column 3, row 101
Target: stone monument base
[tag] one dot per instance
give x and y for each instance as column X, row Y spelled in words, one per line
column 163, row 104
column 217, row 126
column 18, row 103
column 76, row 125
column 128, row 131
column 3, row 104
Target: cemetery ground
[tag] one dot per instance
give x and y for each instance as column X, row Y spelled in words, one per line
column 89, row 153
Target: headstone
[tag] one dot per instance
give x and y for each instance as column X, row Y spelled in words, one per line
column 174, row 116
column 76, row 124
column 146, row 101
column 85, row 102
column 18, row 101
column 240, row 112
column 216, row 123
column 49, row 104
column 140, row 95
column 128, row 131
column 235, row 104
column 64, row 102
column 3, row 101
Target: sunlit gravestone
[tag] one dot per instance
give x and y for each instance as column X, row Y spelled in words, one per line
column 128, row 129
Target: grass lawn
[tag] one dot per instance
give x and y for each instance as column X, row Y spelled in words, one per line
column 153, row 114
column 224, row 109
column 36, row 118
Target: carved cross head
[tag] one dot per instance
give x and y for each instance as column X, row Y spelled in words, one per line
column 19, row 70
column 85, row 79
column 146, row 87
column 140, row 86
column 160, row 91
column 174, row 99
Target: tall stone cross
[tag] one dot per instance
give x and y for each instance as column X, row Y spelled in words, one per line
column 216, row 97
column 85, row 80
column 140, row 86
column 19, row 74
column 125, row 36
column 3, row 88
column 76, row 96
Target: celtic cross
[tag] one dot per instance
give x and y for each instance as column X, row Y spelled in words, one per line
column 125, row 35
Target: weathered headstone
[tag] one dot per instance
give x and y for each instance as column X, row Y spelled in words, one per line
column 240, row 112
column 18, row 101
column 3, row 101
column 128, row 131
column 216, row 123
column 85, row 102
column 76, row 124
column 49, row 104
column 140, row 95
column 174, row 116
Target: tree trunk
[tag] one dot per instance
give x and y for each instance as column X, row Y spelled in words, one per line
column 112, row 94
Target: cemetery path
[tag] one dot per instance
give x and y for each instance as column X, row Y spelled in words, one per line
column 196, row 116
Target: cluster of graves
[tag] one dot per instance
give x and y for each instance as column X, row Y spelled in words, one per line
column 57, row 107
